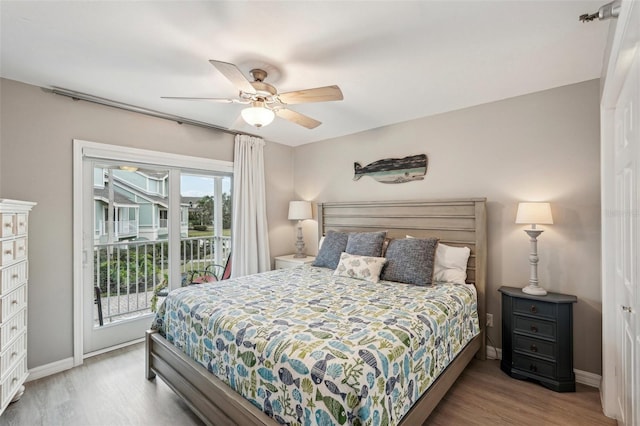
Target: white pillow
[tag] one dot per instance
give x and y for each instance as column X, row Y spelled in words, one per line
column 451, row 264
column 360, row 267
column 320, row 243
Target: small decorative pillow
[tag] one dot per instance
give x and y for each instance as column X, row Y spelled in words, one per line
column 451, row 264
column 333, row 245
column 366, row 243
column 410, row 260
column 360, row 267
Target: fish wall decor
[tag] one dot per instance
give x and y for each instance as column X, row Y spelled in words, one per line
column 394, row 170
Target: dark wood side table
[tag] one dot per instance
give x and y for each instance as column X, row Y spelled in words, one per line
column 537, row 338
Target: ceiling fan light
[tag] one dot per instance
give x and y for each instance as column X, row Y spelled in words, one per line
column 258, row 116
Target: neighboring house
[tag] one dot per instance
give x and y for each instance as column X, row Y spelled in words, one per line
column 140, row 205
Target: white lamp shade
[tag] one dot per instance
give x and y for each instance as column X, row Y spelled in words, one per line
column 257, row 115
column 534, row 213
column 299, row 210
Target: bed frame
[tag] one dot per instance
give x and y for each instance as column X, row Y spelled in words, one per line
column 458, row 222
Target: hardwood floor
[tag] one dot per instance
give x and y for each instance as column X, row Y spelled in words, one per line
column 111, row 389
column 484, row 395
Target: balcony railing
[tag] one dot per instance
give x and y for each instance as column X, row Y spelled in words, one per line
column 129, row 272
column 121, row 228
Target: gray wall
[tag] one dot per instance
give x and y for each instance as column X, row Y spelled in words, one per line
column 36, row 165
column 543, row 146
column 539, row 147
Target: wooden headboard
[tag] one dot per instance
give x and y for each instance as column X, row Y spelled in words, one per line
column 456, row 222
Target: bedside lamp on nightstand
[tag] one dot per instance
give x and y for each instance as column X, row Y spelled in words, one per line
column 534, row 214
column 299, row 210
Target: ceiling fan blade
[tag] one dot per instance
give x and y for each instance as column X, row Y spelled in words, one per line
column 296, row 117
column 218, row 100
column 319, row 94
column 234, row 75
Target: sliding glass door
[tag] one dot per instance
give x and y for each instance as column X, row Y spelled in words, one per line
column 146, row 228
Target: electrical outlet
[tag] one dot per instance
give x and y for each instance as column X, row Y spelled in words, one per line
column 489, row 320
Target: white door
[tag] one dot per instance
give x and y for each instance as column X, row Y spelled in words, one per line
column 626, row 192
column 621, row 221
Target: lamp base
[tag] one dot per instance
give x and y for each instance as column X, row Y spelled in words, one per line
column 534, row 290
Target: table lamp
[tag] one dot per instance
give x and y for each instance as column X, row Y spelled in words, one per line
column 299, row 210
column 534, row 214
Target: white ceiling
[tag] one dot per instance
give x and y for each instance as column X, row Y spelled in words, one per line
column 394, row 61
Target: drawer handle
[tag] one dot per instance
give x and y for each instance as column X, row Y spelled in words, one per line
column 15, row 276
column 21, row 224
column 15, row 379
column 14, row 302
column 14, row 354
column 534, row 328
column 14, row 328
column 533, row 348
column 533, row 309
column 533, row 368
column 20, row 248
column 7, row 252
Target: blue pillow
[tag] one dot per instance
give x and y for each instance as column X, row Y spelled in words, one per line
column 332, row 247
column 366, row 243
column 410, row 260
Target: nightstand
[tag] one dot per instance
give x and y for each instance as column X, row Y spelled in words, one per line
column 537, row 338
column 289, row 261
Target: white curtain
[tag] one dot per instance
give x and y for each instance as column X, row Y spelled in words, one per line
column 250, row 239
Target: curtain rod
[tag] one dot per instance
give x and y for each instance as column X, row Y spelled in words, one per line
column 79, row 96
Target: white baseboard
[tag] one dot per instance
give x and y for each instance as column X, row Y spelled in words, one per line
column 49, row 369
column 583, row 377
column 67, row 363
column 589, row 379
column 113, row 348
column 494, row 353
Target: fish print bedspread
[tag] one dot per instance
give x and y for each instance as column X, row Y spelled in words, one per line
column 310, row 348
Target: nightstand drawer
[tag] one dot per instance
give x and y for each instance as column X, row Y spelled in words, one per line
column 534, row 366
column 536, row 327
column 537, row 347
column 535, row 308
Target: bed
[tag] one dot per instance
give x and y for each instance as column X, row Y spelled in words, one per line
column 319, row 371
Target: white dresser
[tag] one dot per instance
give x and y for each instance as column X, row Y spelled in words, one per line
column 14, row 270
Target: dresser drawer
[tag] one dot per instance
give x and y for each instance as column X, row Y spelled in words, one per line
column 12, row 328
column 533, row 326
column 534, row 308
column 8, row 253
column 537, row 347
column 16, row 377
column 21, row 224
column 534, row 366
column 20, row 246
column 13, row 250
column 12, row 354
column 13, row 276
column 13, row 302
column 8, row 224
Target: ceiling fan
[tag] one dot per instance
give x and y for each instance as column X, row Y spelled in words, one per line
column 265, row 101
